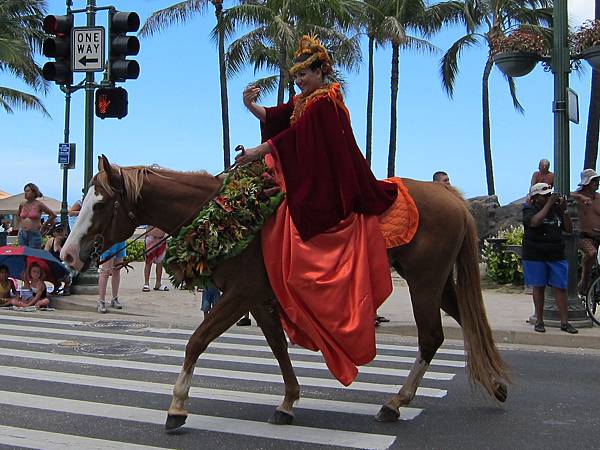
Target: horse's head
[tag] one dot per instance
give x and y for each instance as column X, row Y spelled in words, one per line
column 106, row 217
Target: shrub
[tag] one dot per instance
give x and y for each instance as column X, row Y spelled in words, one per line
column 588, row 35
column 135, row 251
column 504, row 268
column 519, row 41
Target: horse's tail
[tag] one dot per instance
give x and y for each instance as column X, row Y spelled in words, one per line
column 483, row 359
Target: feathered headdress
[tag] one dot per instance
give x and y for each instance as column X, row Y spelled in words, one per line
column 311, row 46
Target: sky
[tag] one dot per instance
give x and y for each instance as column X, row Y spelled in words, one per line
column 175, row 120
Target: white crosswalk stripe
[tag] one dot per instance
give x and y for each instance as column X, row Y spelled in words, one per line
column 38, row 355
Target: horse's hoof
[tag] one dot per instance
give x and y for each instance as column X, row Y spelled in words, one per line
column 500, row 391
column 174, row 421
column 281, row 418
column 387, row 414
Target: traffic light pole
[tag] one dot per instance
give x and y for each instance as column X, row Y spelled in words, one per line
column 90, row 85
column 64, row 208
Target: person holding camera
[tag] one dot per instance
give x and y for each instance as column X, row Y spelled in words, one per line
column 588, row 212
column 545, row 217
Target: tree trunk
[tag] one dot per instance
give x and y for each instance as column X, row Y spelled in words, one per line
column 487, row 144
column 393, row 113
column 282, row 76
column 291, row 90
column 368, row 149
column 223, row 84
column 593, row 125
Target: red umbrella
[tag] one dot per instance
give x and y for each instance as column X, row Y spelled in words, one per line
column 18, row 259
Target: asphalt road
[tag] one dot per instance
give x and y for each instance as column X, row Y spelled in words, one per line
column 67, row 384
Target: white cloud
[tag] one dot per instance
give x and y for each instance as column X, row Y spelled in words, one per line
column 580, row 10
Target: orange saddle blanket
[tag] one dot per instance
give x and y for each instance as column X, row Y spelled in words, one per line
column 400, row 222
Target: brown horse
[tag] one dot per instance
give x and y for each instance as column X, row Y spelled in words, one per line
column 120, row 199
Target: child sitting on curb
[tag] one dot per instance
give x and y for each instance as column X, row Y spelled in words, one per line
column 34, row 281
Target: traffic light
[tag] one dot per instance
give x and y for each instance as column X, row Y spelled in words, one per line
column 111, row 102
column 59, row 48
column 121, row 45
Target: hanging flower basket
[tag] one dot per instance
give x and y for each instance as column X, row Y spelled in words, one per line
column 592, row 56
column 586, row 42
column 516, row 64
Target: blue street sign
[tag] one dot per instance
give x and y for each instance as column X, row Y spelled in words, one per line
column 66, row 155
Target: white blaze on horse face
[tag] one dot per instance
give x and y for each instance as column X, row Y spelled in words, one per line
column 70, row 251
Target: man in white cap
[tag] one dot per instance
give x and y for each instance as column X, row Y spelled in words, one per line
column 588, row 211
column 545, row 217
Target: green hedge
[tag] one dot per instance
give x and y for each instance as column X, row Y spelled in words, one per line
column 504, row 268
column 135, row 251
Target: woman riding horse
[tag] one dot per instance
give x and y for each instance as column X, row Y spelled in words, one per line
column 324, row 252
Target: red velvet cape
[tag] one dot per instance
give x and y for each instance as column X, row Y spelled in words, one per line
column 326, row 175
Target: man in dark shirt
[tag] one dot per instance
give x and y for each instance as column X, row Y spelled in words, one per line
column 545, row 217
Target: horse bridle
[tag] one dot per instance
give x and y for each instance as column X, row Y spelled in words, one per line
column 99, row 238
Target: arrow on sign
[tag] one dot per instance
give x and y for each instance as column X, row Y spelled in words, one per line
column 86, row 60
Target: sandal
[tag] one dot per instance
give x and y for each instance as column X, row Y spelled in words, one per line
column 381, row 319
column 146, row 288
column 161, row 288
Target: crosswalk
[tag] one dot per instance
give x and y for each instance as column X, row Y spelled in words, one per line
column 107, row 384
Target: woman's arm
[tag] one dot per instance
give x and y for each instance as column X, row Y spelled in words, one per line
column 49, row 244
column 37, row 297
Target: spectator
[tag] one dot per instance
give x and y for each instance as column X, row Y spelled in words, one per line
column 441, row 177
column 210, row 297
column 74, row 213
column 588, row 211
column 54, row 245
column 543, row 175
column 544, row 264
column 34, row 282
column 7, row 287
column 155, row 248
column 30, row 215
column 111, row 267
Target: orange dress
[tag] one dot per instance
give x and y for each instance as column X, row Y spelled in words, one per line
column 330, row 285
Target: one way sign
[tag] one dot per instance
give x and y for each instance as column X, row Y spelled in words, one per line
column 88, row 49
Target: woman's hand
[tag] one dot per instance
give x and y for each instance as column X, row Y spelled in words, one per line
column 247, row 156
column 250, row 94
column 252, row 154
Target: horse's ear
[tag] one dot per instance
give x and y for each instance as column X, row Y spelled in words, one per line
column 103, row 164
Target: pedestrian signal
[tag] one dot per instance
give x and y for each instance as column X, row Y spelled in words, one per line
column 59, row 48
column 111, row 102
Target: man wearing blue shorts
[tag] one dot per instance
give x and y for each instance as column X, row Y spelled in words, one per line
column 545, row 217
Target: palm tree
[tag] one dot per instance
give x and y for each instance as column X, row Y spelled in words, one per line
column 275, row 29
column 400, row 18
column 484, row 20
column 21, row 38
column 179, row 13
column 593, row 126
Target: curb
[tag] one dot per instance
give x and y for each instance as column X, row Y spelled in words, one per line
column 552, row 338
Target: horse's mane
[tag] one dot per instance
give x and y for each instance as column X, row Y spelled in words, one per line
column 133, row 178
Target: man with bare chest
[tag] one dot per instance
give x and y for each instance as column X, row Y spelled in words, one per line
column 588, row 211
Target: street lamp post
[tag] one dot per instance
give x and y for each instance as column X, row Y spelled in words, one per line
column 560, row 63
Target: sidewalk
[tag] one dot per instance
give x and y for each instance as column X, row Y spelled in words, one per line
column 507, row 313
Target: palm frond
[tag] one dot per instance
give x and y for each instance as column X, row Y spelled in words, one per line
column 11, row 99
column 449, row 62
column 513, row 94
column 172, row 15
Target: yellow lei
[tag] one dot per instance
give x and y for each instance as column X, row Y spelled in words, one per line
column 302, row 102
